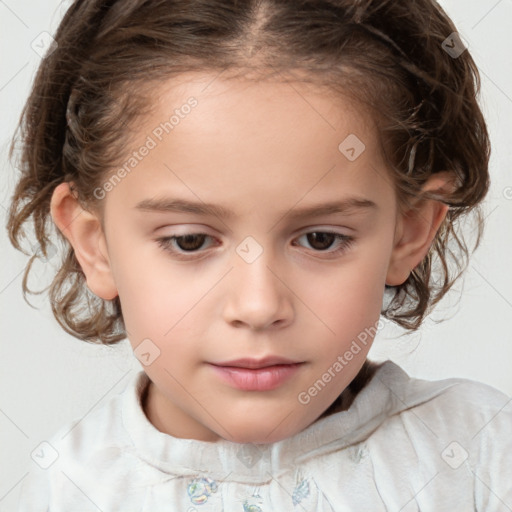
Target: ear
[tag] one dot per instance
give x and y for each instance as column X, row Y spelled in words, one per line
column 416, row 229
column 85, row 234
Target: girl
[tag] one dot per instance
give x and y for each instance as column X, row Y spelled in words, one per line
column 244, row 188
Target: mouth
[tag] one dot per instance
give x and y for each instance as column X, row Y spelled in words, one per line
column 259, row 376
column 254, row 364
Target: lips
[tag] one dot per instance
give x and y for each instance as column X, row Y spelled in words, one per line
column 252, row 363
column 264, row 374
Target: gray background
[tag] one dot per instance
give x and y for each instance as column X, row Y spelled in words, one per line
column 48, row 378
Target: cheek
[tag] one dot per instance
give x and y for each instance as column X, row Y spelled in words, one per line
column 155, row 304
column 154, row 294
column 352, row 289
column 347, row 300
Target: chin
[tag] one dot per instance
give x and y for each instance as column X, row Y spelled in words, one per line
column 259, row 434
column 262, row 438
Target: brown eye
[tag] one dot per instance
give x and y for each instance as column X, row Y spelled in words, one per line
column 320, row 241
column 183, row 244
column 190, row 242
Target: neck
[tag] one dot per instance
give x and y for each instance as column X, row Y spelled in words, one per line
column 345, row 399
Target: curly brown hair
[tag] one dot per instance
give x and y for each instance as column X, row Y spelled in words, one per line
column 390, row 55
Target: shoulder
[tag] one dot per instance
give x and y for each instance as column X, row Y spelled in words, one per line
column 459, row 430
column 446, row 402
column 80, row 454
column 475, row 419
column 474, row 407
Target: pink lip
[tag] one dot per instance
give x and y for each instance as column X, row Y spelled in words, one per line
column 248, row 362
column 257, row 379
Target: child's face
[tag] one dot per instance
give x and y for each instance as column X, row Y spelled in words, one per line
column 256, row 285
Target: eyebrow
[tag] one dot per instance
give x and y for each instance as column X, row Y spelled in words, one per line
column 347, row 206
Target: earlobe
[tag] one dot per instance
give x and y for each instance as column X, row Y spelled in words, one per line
column 416, row 229
column 84, row 232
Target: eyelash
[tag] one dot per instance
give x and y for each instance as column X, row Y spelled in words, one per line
column 166, row 244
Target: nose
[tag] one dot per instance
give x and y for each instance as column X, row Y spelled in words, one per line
column 258, row 297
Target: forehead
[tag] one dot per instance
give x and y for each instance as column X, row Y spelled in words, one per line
column 293, row 118
column 259, row 100
column 233, row 139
